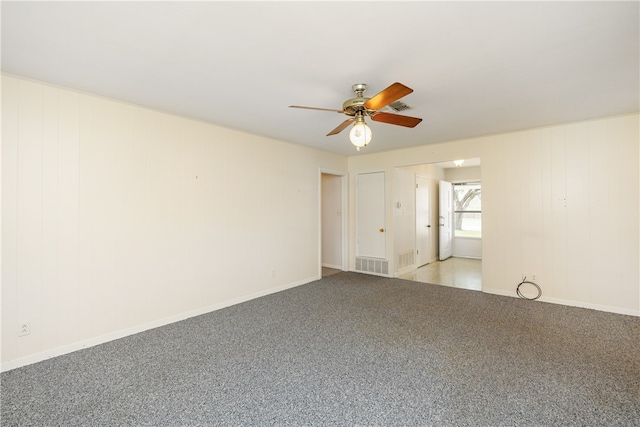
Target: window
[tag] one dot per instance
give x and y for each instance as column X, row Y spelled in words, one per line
column 467, row 203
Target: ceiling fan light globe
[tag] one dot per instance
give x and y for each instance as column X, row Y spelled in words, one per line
column 360, row 134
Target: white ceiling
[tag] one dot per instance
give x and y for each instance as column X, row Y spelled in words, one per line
column 477, row 68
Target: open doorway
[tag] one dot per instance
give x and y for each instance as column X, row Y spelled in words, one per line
column 461, row 265
column 463, row 273
column 333, row 235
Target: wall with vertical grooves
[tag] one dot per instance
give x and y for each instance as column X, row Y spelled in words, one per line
column 116, row 217
column 561, row 202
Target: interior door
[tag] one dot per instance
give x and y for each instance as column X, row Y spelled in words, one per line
column 370, row 215
column 446, row 217
column 423, row 221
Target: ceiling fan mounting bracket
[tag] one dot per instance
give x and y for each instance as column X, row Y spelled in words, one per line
column 359, row 89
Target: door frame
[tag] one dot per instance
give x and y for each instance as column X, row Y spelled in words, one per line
column 429, row 256
column 344, row 203
column 446, row 220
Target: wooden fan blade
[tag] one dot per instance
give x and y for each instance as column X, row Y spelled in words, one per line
column 314, row 108
column 341, row 127
column 396, row 119
column 387, row 96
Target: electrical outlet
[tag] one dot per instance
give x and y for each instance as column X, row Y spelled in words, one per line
column 25, row 329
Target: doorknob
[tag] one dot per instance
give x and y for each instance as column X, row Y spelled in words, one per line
column 382, row 230
column 428, row 225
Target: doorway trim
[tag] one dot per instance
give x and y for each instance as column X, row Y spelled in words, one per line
column 344, row 203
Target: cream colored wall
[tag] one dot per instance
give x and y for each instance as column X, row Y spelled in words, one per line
column 117, row 218
column 559, row 202
column 404, row 217
column 462, row 174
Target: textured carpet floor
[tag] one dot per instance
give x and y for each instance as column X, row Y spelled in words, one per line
column 349, row 349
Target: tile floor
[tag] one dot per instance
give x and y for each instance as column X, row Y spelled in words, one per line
column 326, row 271
column 462, row 273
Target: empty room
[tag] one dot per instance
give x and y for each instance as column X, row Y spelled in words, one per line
column 230, row 212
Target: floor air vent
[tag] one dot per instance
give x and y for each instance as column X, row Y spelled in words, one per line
column 372, row 265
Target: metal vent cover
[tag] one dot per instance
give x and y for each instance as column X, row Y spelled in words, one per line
column 376, row 266
column 397, row 107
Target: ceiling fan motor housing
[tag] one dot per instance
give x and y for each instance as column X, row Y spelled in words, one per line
column 353, row 105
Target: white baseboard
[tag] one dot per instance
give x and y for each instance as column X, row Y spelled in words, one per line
column 406, row 270
column 571, row 303
column 59, row 351
column 335, row 267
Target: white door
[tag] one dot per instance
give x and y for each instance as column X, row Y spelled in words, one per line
column 370, row 215
column 446, row 217
column 423, row 221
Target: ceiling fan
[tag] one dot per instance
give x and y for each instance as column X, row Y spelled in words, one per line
column 360, row 107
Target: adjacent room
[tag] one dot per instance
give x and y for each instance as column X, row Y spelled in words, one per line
column 439, row 218
column 320, row 213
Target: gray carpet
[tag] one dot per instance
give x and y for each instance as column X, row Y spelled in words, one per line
column 349, row 349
